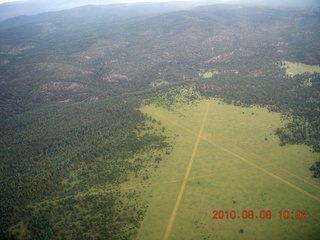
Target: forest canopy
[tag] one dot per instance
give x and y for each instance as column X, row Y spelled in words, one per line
column 71, row 90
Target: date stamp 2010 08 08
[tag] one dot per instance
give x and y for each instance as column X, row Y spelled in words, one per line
column 263, row 214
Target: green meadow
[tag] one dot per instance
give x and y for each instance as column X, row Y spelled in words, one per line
column 208, row 74
column 299, row 68
column 228, row 158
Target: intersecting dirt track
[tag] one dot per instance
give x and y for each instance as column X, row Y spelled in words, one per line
column 225, row 165
column 186, row 176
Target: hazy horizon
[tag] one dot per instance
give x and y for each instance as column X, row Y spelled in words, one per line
column 13, row 8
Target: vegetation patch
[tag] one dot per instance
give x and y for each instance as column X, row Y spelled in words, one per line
column 315, row 169
column 234, row 168
column 294, row 68
column 66, row 170
column 175, row 97
column 208, row 74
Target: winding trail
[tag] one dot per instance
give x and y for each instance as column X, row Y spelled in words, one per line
column 185, row 179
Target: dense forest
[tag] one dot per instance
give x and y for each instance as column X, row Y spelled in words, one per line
column 95, row 144
column 71, row 89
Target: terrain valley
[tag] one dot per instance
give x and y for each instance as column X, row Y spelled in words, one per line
column 160, row 121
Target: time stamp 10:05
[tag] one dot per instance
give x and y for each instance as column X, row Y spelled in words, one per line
column 262, row 214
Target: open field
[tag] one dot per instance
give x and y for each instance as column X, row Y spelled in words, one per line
column 299, row 68
column 227, row 158
column 209, row 74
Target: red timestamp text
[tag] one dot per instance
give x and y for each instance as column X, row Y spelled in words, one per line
column 262, row 214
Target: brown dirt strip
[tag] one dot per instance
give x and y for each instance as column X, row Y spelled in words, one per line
column 268, row 161
column 185, row 179
column 262, row 169
column 226, row 172
column 246, row 161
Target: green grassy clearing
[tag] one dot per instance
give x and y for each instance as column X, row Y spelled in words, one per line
column 222, row 179
column 209, row 74
column 299, row 68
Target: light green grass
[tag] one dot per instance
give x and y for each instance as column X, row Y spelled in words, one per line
column 233, row 137
column 209, row 74
column 159, row 210
column 299, row 68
